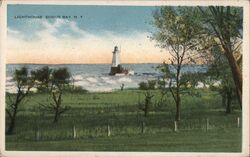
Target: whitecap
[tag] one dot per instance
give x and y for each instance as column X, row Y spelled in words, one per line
column 101, row 89
column 124, row 80
column 77, row 77
column 9, row 78
column 105, row 78
column 110, row 81
column 92, row 79
column 81, row 83
column 9, row 84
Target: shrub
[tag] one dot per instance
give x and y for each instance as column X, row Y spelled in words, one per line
column 149, row 85
column 143, row 86
column 75, row 89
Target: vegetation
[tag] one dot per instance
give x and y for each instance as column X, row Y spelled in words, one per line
column 91, row 112
column 43, row 79
column 114, row 121
column 23, row 84
column 54, row 82
column 147, row 104
column 149, row 85
column 226, row 24
column 219, row 70
column 179, row 31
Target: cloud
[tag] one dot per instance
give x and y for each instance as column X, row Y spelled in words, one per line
column 62, row 41
column 12, row 32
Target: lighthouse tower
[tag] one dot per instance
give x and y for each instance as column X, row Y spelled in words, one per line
column 116, row 67
column 116, row 57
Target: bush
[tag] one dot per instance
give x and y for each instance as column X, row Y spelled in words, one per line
column 143, row 86
column 149, row 85
column 75, row 89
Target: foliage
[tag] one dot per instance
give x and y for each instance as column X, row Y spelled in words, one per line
column 54, row 81
column 23, row 84
column 219, row 70
column 147, row 104
column 75, row 89
column 43, row 78
column 149, row 85
column 179, row 30
column 60, row 77
column 225, row 25
column 90, row 116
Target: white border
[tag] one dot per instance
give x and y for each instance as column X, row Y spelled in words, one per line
column 3, row 35
column 245, row 114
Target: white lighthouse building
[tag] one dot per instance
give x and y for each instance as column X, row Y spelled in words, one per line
column 116, row 57
column 116, row 67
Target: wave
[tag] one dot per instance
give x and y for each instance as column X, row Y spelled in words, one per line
column 95, row 78
column 124, row 80
column 77, row 77
column 92, row 79
column 9, row 78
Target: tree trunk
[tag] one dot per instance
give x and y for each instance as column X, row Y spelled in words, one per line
column 146, row 109
column 229, row 101
column 224, row 34
column 12, row 121
column 223, row 99
column 56, row 116
column 178, row 99
column 237, row 75
column 57, row 106
column 11, row 126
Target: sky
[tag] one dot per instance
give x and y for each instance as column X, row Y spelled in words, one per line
column 88, row 38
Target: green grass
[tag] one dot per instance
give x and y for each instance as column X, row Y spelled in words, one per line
column 183, row 141
column 90, row 113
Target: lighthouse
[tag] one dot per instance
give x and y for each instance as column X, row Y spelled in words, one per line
column 116, row 57
column 116, row 67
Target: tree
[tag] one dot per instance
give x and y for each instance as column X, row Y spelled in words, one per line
column 178, row 30
column 147, row 104
column 23, row 83
column 60, row 78
column 226, row 26
column 219, row 70
column 54, row 82
column 43, row 78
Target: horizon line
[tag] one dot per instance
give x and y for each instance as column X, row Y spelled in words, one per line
column 80, row 63
column 91, row 63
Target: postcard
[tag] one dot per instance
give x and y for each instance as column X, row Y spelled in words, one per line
column 124, row 78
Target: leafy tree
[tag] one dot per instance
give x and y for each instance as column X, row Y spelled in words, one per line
column 54, row 82
column 43, row 78
column 220, row 70
column 60, row 78
column 179, row 30
column 23, row 84
column 225, row 25
column 147, row 104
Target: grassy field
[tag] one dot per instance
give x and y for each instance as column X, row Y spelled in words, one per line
column 92, row 113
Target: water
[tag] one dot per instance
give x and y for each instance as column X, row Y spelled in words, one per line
column 95, row 77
